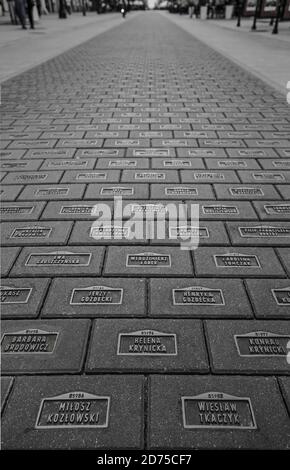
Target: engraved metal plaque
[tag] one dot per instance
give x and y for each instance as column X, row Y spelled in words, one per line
column 186, row 232
column 29, row 342
column 262, row 343
column 177, row 163
column 151, row 152
column 74, row 410
column 148, row 208
column 149, row 175
column 77, row 209
column 208, row 176
column 246, row 192
column 282, row 296
column 92, row 176
column 52, row 192
column 148, row 260
column 97, row 295
column 14, row 295
column 122, row 163
column 236, row 260
column 147, row 343
column 181, row 191
column 16, row 210
column 220, row 209
column 58, row 258
column 217, row 410
column 264, row 231
column 268, row 176
column 109, row 232
column 31, row 232
column 196, row 295
column 115, row 190
column 277, row 209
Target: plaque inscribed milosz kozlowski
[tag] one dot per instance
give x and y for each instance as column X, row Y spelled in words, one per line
column 29, row 342
column 148, row 259
column 74, row 410
column 216, row 410
column 262, row 343
column 147, row 343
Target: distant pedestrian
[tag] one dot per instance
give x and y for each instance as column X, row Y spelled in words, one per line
column 20, row 12
column 30, row 6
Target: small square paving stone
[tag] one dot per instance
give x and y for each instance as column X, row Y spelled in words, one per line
column 24, row 177
column 147, row 345
column 21, row 210
column 28, row 144
column 273, row 210
column 80, row 143
column 150, row 176
column 49, row 153
column 284, row 191
column 278, row 164
column 208, row 176
column 75, row 210
column 108, row 233
column 177, row 233
column 270, row 297
column 109, row 191
column 122, row 163
column 252, row 153
column 59, row 261
column 8, row 257
column 69, row 164
column 273, row 177
column 202, row 153
column 6, row 386
column 38, row 233
column 198, row 415
column 9, row 153
column 16, row 165
column 110, row 176
column 114, row 419
column 285, row 387
column 231, row 164
column 94, row 297
column 177, row 163
column 261, row 233
column 284, row 255
column 201, row 298
column 248, row 347
column 10, row 193
column 22, row 298
column 147, row 261
column 104, row 153
column 43, row 346
column 150, row 152
column 239, row 261
column 182, row 191
column 225, row 210
column 57, row 191
column 246, row 191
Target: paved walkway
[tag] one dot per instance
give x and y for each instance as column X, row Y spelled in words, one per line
column 261, row 53
column 138, row 343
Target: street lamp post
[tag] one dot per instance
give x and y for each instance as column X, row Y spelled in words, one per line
column 240, row 7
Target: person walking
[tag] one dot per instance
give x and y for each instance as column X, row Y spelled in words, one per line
column 30, row 5
column 20, row 13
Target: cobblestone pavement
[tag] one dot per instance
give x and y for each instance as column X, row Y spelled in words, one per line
column 139, row 344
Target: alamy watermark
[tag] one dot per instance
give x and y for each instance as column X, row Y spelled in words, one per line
column 150, row 221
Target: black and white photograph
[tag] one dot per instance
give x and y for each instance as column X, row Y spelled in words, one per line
column 145, row 230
